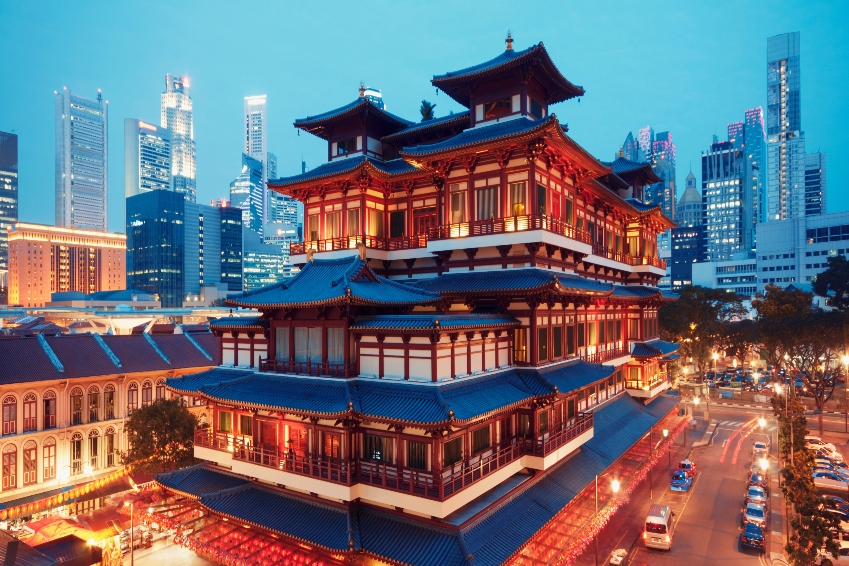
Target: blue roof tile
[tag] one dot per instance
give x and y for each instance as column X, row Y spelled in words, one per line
column 408, row 541
column 310, row 521
column 193, row 383
column 306, row 395
column 640, row 205
column 420, row 128
column 239, row 322
column 345, row 166
column 200, row 479
column 574, row 374
column 316, row 124
column 653, row 348
column 475, row 397
column 347, row 280
column 634, row 292
column 482, row 134
column 518, row 280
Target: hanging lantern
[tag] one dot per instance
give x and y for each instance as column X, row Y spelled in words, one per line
column 3, row 514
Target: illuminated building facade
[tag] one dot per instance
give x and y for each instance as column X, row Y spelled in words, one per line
column 147, row 157
column 45, row 260
column 263, row 264
column 176, row 116
column 726, row 210
column 815, row 192
column 247, row 193
column 476, row 300
column 81, row 156
column 8, row 201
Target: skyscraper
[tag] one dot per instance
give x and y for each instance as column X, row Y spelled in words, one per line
column 787, row 183
column 689, row 209
column 247, row 193
column 660, row 152
column 749, row 136
column 176, row 116
column 814, row 184
column 8, row 199
column 147, row 157
column 256, row 146
column 81, row 160
column 726, row 214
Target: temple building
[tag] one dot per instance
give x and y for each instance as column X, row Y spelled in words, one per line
column 472, row 337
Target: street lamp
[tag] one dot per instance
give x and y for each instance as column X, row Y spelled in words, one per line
column 715, row 360
column 762, row 422
column 845, row 360
column 132, row 529
column 614, row 487
column 669, row 450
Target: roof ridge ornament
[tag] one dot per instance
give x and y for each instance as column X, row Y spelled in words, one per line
column 362, row 89
column 509, row 41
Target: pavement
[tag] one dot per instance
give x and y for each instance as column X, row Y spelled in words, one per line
column 709, row 515
column 164, row 552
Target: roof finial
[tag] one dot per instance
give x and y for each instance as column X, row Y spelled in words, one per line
column 621, row 152
column 362, row 89
column 509, row 41
column 310, row 254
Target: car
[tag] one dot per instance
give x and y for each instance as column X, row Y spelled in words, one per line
column 755, row 468
column 760, row 449
column 830, row 462
column 753, row 537
column 826, row 559
column 829, row 480
column 829, row 454
column 759, row 480
column 756, row 494
column 688, row 466
column 836, row 471
column 756, row 514
column 840, row 514
column 835, row 501
column 815, row 442
column 681, row 481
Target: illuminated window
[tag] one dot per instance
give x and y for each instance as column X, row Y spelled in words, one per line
column 497, row 108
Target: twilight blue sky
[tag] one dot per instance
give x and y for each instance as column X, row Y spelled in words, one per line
column 686, row 67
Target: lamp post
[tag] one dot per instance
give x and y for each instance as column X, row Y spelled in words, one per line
column 132, row 529
column 614, row 486
column 669, row 451
column 845, row 360
column 651, row 451
column 715, row 360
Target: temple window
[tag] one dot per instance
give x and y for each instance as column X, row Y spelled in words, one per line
column 581, row 336
column 225, row 421
column 452, row 451
column 353, row 222
column 346, row 146
column 307, row 344
column 480, row 439
column 416, row 455
column 377, row 448
column 536, row 109
column 375, row 223
column 396, row 223
column 570, row 409
column 281, row 343
column 336, row 345
column 525, row 428
column 568, row 214
column 487, row 201
column 497, row 108
column 543, row 423
column 570, row 340
column 458, row 203
column 246, row 425
column 542, row 193
column 542, row 342
column 517, row 199
column 312, row 228
column 332, row 225
column 593, row 337
column 557, row 342
column 520, row 344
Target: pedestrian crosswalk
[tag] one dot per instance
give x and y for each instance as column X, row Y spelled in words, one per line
column 737, row 424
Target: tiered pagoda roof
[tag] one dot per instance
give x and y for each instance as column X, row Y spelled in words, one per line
column 451, row 124
column 654, row 348
column 362, row 108
column 533, row 62
column 414, row 404
column 349, row 168
column 335, row 282
column 484, row 539
column 630, row 170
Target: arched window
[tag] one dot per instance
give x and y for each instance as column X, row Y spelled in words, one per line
column 132, row 397
column 49, row 409
column 147, row 393
column 30, row 462
column 160, row 389
column 48, row 458
column 109, row 402
column 110, row 447
column 94, row 449
column 10, row 415
column 10, row 466
column 77, row 453
column 30, row 420
column 76, row 406
column 93, row 404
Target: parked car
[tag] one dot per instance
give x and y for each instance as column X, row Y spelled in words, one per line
column 681, row 481
column 826, row 559
column 759, row 480
column 835, row 501
column 756, row 514
column 830, row 462
column 840, row 514
column 815, row 442
column 688, row 466
column 841, row 473
column 829, row 454
column 829, row 480
column 753, row 537
column 755, row 468
column 760, row 450
column 756, row 494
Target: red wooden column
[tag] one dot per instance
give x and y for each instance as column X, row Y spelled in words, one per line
column 380, row 339
column 251, row 338
column 346, row 351
column 484, row 335
column 469, row 336
column 534, row 357
column 453, row 338
column 532, row 187
column 235, row 348
column 291, row 345
column 324, row 344
column 406, row 340
column 271, row 340
column 497, row 335
column 434, row 339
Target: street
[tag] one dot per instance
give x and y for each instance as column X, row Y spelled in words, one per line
column 709, row 515
column 164, row 552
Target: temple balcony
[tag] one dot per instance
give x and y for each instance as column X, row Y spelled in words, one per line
column 307, row 368
column 434, row 493
column 649, row 388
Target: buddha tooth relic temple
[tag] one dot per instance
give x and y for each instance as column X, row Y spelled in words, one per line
column 471, row 342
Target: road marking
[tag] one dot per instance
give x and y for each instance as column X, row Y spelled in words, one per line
column 740, row 442
column 730, row 438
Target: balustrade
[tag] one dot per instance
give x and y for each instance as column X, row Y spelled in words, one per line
column 305, row 368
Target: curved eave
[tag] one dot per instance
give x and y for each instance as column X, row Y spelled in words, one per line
column 503, row 409
column 178, row 492
column 185, row 392
column 358, row 301
column 536, row 56
column 459, row 119
column 256, row 328
column 279, row 409
column 609, row 196
column 354, row 173
column 434, row 329
column 318, row 124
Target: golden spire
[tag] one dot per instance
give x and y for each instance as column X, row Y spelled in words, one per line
column 509, row 41
column 362, row 89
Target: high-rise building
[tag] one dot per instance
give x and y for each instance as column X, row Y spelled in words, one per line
column 147, row 157
column 8, row 200
column 660, row 152
column 788, row 194
column 687, row 244
column 263, row 264
column 256, row 146
column 247, row 193
column 815, row 184
column 688, row 211
column 46, row 259
column 748, row 136
column 176, row 247
column 726, row 216
column 81, row 160
column 176, row 116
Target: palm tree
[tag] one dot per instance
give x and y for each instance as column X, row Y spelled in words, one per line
column 427, row 110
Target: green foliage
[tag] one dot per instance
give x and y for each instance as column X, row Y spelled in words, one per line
column 777, row 310
column 427, row 110
column 834, row 280
column 740, row 337
column 696, row 321
column 161, row 437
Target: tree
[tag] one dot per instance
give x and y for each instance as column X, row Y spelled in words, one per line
column 427, row 110
column 812, row 529
column 777, row 309
column 740, row 337
column 696, row 321
column 161, row 437
column 834, row 283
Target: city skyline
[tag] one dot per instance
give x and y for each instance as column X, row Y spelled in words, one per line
column 693, row 106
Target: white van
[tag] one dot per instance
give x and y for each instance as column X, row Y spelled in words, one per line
column 660, row 527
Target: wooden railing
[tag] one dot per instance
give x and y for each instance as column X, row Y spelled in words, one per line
column 350, row 243
column 604, row 355
column 305, row 368
column 438, row 486
column 643, row 384
column 507, row 225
